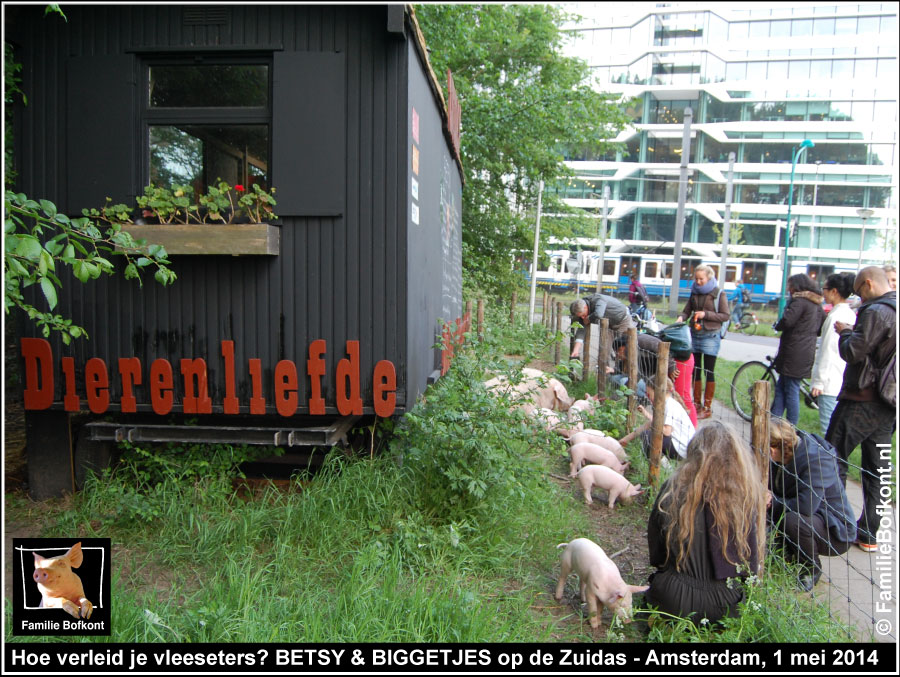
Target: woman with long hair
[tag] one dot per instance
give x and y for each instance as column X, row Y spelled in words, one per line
column 707, row 525
column 707, row 310
column 799, row 327
column 828, row 369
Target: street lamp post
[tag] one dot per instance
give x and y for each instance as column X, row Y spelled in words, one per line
column 795, row 155
column 864, row 214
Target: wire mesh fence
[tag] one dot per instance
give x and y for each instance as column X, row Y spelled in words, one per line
column 831, row 522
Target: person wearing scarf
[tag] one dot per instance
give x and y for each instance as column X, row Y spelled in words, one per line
column 706, row 318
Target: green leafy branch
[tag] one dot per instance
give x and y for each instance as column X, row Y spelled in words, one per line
column 39, row 241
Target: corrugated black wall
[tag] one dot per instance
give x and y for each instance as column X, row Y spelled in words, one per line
column 338, row 277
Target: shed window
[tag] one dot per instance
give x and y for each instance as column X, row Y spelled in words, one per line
column 207, row 122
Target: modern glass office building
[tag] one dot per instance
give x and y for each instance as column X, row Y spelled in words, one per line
column 759, row 78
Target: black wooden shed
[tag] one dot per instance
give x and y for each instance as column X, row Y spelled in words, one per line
column 335, row 316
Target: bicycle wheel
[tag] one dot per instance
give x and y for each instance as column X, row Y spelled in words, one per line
column 742, row 387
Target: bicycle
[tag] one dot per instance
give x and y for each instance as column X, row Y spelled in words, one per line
column 751, row 372
column 643, row 318
column 746, row 323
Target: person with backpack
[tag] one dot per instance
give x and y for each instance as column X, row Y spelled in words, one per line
column 740, row 296
column 707, row 309
column 799, row 326
column 867, row 402
column 637, row 295
column 808, row 506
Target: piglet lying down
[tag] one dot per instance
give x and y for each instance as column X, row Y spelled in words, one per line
column 598, row 578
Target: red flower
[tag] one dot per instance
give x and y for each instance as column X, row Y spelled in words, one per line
column 239, row 188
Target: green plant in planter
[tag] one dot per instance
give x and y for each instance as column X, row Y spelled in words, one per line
column 221, row 202
column 258, row 203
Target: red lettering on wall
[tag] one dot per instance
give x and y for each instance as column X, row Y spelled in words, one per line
column 453, row 339
column 286, row 399
column 315, row 367
column 130, row 372
column 201, row 403
column 257, row 401
column 161, row 383
column 70, row 400
column 348, row 369
column 385, row 387
column 96, row 385
column 38, row 373
column 230, row 403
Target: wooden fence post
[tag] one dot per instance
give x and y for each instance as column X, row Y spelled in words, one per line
column 759, row 431
column 512, row 310
column 558, row 329
column 603, row 356
column 480, row 319
column 552, row 325
column 632, row 375
column 586, row 354
column 659, row 410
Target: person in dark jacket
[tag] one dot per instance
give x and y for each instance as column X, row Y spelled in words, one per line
column 799, row 327
column 707, row 310
column 593, row 309
column 648, row 352
column 707, row 526
column 861, row 417
column 808, row 505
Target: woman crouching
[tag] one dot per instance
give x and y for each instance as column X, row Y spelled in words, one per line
column 707, row 526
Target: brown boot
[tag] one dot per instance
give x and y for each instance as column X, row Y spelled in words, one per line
column 706, row 412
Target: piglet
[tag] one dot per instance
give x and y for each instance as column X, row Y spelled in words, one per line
column 586, row 452
column 600, row 438
column 599, row 580
column 606, row 478
column 61, row 587
column 587, row 404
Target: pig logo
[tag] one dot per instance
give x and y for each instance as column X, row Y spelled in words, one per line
column 61, row 586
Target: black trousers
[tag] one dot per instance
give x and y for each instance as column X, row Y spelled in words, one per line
column 868, row 425
column 805, row 538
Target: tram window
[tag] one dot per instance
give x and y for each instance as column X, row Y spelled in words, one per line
column 609, row 267
column 730, row 273
column 650, row 269
column 715, row 270
column 754, row 273
column 668, row 271
column 819, row 272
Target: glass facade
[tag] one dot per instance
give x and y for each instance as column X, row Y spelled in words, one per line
column 758, row 81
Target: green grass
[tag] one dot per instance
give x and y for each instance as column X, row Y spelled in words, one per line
column 448, row 534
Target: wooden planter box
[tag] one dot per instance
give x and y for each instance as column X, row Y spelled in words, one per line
column 234, row 240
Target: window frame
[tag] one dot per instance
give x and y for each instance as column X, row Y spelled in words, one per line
column 213, row 115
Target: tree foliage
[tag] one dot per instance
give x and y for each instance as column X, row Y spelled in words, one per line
column 522, row 103
column 39, row 241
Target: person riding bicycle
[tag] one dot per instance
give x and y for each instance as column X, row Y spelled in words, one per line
column 740, row 296
column 637, row 295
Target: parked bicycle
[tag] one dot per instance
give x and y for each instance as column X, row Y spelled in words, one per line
column 644, row 319
column 751, row 372
column 746, row 323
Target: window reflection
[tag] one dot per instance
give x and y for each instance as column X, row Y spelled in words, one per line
column 198, row 155
column 209, row 86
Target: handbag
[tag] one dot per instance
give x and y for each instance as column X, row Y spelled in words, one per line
column 679, row 335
